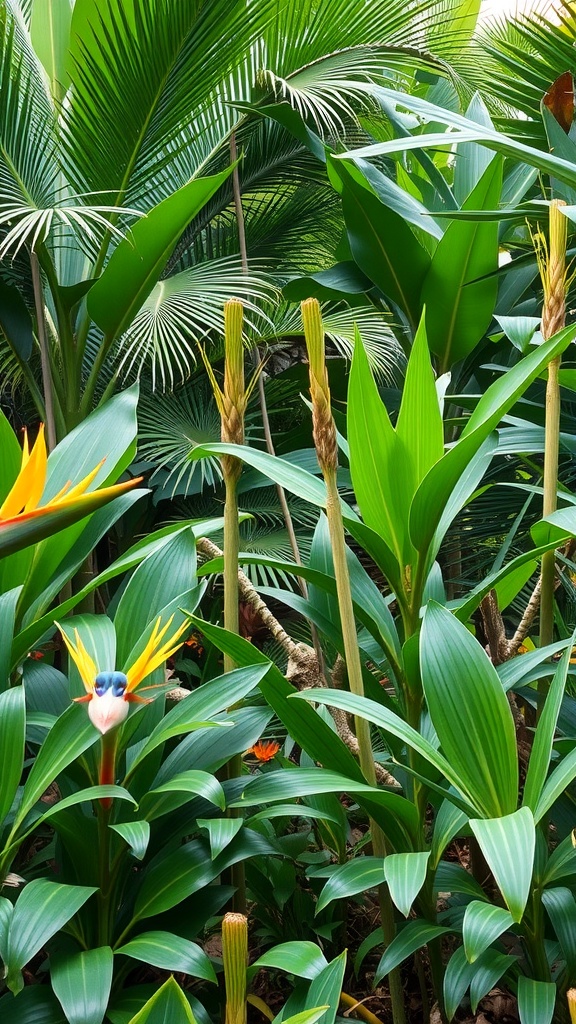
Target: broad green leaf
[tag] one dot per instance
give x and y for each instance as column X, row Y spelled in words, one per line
column 471, row 159
column 312, row 781
column 411, row 937
column 83, row 796
column 469, row 711
column 170, row 952
column 326, row 986
column 82, row 983
column 357, row 875
column 171, row 877
column 138, row 260
column 561, row 908
column 555, row 784
column 108, row 433
column 508, row 845
column 536, row 1000
column 36, row 1004
column 452, row 877
column 136, row 834
column 483, row 923
column 295, row 811
column 191, row 782
column 419, row 426
column 382, row 243
column 69, row 737
column 304, row 959
column 12, row 740
column 460, row 288
column 41, row 910
column 544, row 737
column 489, row 969
column 307, row 1016
column 221, row 832
column 159, row 578
column 50, row 35
column 167, row 1006
column 458, row 975
column 6, row 912
column 392, row 723
column 405, row 875
column 211, row 699
column 16, row 323
column 316, row 737
column 448, row 822
column 293, row 478
column 467, row 131
column 561, row 863
column 380, row 462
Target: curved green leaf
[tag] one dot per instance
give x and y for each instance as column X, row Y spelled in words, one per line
column 508, row 844
column 82, row 982
column 170, row 952
column 483, row 923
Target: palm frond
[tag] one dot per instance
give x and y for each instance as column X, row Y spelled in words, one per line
column 181, row 310
column 170, row 427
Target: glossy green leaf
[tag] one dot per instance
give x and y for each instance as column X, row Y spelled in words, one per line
column 544, row 737
column 561, row 863
column 392, row 723
column 107, row 435
column 312, row 781
column 36, row 1004
column 195, row 783
column 12, row 739
column 508, row 845
column 69, row 737
column 489, row 969
column 471, row 159
column 457, row 977
column 483, row 923
column 138, row 260
column 470, row 712
column 405, row 875
column 561, row 908
column 307, row 1016
column 326, row 986
column 555, row 784
column 171, row 877
column 167, row 1006
column 460, row 288
column 419, row 426
column 170, row 952
column 452, row 877
column 82, row 982
column 383, row 244
column 380, row 463
column 536, row 1001
column 50, row 35
column 348, row 879
column 15, row 319
column 448, row 822
column 204, row 702
column 411, row 937
column 159, row 578
column 41, row 910
column 304, row 959
column 136, row 834
column 221, row 832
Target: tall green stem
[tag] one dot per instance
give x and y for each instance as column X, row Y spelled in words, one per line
column 47, row 386
column 553, row 271
column 326, row 443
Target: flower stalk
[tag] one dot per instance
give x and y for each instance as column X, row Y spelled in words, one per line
column 552, row 263
column 235, row 961
column 326, row 443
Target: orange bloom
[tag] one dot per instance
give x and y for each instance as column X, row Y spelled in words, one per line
column 264, row 751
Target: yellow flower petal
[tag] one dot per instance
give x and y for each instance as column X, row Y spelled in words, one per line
column 29, row 484
column 154, row 653
column 83, row 661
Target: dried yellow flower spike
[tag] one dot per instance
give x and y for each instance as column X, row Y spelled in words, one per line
column 235, row 960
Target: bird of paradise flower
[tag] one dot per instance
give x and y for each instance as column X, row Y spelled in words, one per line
column 24, row 520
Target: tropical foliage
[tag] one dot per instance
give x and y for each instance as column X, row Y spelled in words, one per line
column 310, row 568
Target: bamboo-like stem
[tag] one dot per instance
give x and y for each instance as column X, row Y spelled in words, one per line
column 44, row 354
column 286, row 515
column 325, row 440
column 553, row 271
column 235, row 962
column 571, row 997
